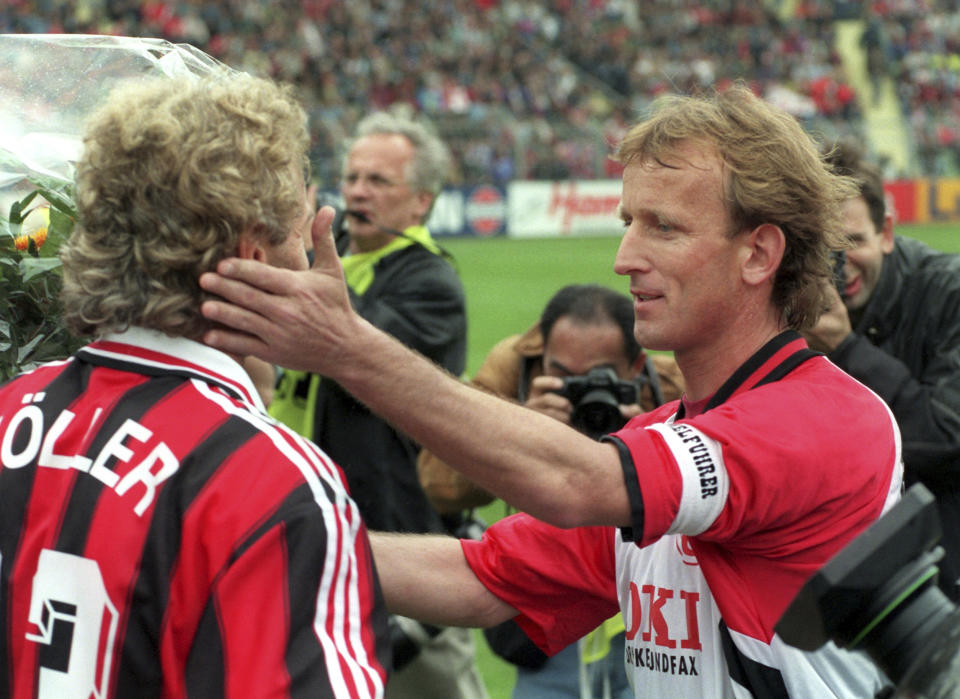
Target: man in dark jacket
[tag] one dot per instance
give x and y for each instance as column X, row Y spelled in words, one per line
column 898, row 331
column 400, row 281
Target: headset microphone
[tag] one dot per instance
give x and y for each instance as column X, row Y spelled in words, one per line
column 341, row 235
column 363, row 218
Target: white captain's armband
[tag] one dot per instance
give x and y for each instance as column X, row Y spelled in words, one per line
column 705, row 480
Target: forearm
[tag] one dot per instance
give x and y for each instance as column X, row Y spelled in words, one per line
column 530, row 460
column 304, row 320
column 426, row 577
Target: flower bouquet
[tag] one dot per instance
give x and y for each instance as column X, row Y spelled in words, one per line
column 49, row 84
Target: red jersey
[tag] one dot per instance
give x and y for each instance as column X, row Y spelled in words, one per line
column 161, row 535
column 733, row 509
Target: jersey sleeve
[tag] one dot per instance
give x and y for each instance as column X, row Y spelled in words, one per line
column 562, row 581
column 747, row 474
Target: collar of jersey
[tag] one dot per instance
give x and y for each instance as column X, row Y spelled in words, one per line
column 358, row 267
column 773, row 361
column 153, row 353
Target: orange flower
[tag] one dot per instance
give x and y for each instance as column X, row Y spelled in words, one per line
column 23, row 241
column 34, row 227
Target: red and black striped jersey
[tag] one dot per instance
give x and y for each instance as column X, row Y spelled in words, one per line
column 160, row 535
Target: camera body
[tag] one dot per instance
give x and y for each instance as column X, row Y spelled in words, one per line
column 596, row 397
column 879, row 594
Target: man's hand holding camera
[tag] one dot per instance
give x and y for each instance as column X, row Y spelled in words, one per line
column 832, row 328
column 544, row 397
column 574, row 400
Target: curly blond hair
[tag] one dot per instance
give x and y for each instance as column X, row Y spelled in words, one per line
column 775, row 174
column 171, row 173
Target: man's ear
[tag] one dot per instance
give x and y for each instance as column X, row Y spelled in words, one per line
column 886, row 233
column 763, row 252
column 251, row 246
column 424, row 202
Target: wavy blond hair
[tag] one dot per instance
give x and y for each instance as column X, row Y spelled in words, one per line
column 171, row 173
column 775, row 174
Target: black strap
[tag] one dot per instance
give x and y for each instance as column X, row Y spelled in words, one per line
column 652, row 379
column 632, row 483
column 523, row 385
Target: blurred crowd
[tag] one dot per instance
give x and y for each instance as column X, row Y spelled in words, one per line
column 917, row 43
column 525, row 89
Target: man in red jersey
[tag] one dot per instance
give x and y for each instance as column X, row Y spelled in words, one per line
column 160, row 535
column 700, row 520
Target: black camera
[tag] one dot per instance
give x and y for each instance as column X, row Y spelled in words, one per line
column 879, row 594
column 596, row 398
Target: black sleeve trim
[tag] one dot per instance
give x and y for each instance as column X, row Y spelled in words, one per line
column 632, row 482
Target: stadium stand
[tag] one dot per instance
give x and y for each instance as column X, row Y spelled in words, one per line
column 523, row 89
column 920, row 40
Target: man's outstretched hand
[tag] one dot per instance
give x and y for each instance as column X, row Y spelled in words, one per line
column 293, row 319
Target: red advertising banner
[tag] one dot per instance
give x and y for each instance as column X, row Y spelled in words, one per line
column 924, row 200
column 902, row 200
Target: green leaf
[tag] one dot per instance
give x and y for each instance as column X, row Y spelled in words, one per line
column 61, row 185
column 61, row 226
column 9, row 266
column 30, row 312
column 7, row 246
column 58, row 201
column 26, row 349
column 18, row 207
column 30, row 267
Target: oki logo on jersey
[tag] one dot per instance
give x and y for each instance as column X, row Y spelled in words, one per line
column 661, row 624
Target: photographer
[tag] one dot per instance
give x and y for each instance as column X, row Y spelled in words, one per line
column 896, row 329
column 583, row 327
column 583, row 340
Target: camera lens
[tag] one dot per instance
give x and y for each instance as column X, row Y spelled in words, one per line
column 934, row 672
column 597, row 414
